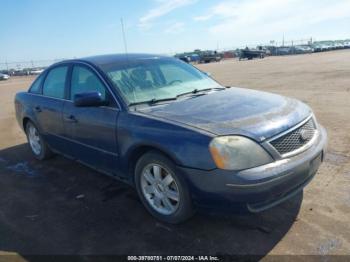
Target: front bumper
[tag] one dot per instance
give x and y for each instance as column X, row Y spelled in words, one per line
column 258, row 188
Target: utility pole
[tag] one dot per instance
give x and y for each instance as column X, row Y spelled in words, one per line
column 283, row 40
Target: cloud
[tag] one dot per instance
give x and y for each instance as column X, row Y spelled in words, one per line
column 164, row 7
column 203, row 17
column 259, row 19
column 175, row 28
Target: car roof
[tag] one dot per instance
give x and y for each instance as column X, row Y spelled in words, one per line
column 115, row 58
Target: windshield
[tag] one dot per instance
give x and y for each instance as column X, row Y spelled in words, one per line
column 156, row 79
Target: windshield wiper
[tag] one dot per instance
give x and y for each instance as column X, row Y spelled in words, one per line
column 196, row 91
column 153, row 101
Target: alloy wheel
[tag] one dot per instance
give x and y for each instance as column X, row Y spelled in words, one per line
column 34, row 140
column 160, row 189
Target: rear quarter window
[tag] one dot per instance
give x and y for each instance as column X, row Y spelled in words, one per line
column 35, row 87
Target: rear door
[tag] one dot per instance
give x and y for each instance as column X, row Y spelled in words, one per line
column 91, row 130
column 48, row 107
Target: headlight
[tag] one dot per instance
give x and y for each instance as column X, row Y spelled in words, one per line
column 237, row 153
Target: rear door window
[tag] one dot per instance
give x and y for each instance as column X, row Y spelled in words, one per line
column 55, row 82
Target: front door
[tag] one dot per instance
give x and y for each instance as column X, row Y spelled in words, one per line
column 91, row 131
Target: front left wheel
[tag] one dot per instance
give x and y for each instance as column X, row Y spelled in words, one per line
column 161, row 188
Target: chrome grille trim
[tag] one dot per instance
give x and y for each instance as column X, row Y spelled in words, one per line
column 287, row 143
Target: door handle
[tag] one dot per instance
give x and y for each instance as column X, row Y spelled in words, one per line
column 37, row 109
column 71, row 119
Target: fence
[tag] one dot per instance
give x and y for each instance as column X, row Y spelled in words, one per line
column 22, row 65
column 283, row 42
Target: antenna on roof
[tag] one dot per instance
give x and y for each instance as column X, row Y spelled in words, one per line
column 127, row 57
column 124, row 38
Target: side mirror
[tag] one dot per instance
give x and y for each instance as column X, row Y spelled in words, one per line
column 89, row 99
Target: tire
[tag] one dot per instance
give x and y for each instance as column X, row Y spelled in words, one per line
column 167, row 200
column 41, row 151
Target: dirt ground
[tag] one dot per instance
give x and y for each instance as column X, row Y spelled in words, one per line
column 61, row 207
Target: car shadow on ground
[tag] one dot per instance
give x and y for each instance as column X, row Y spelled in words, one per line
column 61, row 207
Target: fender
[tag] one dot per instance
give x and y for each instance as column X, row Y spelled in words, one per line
column 24, row 110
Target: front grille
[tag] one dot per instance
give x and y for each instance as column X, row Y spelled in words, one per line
column 295, row 139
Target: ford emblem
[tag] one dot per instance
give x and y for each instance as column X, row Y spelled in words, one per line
column 305, row 135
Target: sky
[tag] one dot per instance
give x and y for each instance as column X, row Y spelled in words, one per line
column 55, row 29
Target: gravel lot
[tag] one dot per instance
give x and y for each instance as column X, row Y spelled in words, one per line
column 61, row 207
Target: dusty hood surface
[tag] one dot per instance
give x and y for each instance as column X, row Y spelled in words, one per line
column 256, row 114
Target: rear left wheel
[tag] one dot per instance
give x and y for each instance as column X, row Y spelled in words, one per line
column 38, row 146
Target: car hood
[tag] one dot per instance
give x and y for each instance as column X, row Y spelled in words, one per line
column 239, row 111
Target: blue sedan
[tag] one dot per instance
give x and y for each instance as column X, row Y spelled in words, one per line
column 180, row 138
